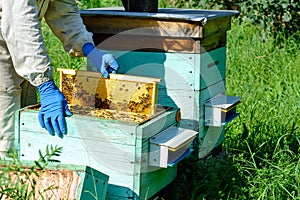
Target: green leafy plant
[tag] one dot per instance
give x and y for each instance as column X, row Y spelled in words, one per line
column 19, row 181
column 273, row 16
column 277, row 18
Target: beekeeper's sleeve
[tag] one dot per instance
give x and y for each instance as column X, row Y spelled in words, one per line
column 21, row 29
column 63, row 18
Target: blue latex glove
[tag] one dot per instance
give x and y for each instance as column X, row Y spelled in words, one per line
column 105, row 63
column 54, row 109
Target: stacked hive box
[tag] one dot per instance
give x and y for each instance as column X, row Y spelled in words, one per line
column 185, row 48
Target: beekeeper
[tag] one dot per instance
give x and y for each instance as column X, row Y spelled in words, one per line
column 25, row 63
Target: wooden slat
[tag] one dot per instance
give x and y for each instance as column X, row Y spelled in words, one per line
column 146, row 43
column 142, row 26
column 171, row 30
column 78, row 127
column 159, row 44
column 123, row 77
column 157, row 124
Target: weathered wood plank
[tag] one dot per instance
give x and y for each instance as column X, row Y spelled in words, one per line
column 84, row 127
column 58, row 181
column 142, row 26
column 124, row 42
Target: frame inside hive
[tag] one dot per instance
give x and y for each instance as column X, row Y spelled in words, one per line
column 122, row 97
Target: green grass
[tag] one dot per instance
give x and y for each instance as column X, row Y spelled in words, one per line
column 263, row 142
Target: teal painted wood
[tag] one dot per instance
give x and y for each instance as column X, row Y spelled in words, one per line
column 209, row 137
column 195, row 78
column 182, row 76
column 175, row 69
column 94, row 187
column 115, row 148
column 191, row 104
column 152, row 179
column 181, row 71
column 117, row 192
column 159, row 123
column 17, row 131
column 188, row 103
column 212, row 66
column 88, row 141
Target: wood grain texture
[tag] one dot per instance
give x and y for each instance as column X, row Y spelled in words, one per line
column 170, row 31
column 62, row 182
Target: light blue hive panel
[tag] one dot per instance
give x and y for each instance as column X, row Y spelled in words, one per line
column 118, row 149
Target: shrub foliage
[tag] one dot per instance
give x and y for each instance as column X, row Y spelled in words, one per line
column 273, row 16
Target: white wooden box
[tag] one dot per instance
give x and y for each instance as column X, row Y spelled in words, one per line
column 170, row 146
column 220, row 110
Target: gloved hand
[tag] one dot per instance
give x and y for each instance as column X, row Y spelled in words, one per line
column 105, row 63
column 54, row 109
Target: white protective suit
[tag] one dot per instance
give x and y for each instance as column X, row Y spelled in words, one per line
column 23, row 55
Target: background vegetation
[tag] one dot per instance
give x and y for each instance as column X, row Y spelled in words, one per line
column 262, row 145
column 263, row 67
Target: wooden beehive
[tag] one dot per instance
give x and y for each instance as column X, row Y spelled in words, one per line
column 121, row 97
column 58, row 181
column 184, row 47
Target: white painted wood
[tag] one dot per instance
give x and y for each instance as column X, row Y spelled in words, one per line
column 220, row 109
column 169, row 145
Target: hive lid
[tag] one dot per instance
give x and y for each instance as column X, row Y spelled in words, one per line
column 222, row 101
column 163, row 13
column 174, row 138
